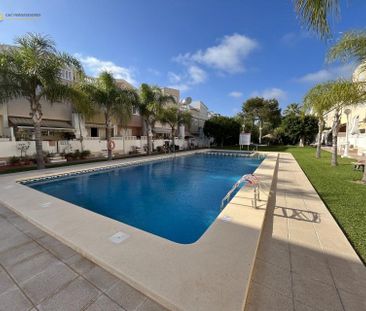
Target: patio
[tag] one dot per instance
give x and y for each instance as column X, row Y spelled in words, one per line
column 304, row 261
column 37, row 272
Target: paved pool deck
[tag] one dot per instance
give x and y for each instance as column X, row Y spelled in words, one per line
column 304, row 261
column 38, row 272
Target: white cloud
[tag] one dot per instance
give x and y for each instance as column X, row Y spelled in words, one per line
column 154, row 71
column 173, row 77
column 292, row 38
column 197, row 75
column 94, row 66
column 181, row 87
column 236, row 94
column 271, row 93
column 192, row 76
column 227, row 56
column 322, row 75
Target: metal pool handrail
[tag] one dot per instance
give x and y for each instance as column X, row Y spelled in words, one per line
column 252, row 180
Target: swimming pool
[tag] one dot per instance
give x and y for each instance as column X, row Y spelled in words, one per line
column 177, row 199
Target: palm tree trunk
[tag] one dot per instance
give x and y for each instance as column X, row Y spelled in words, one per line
column 81, row 138
column 319, row 142
column 173, row 139
column 39, row 149
column 149, row 142
column 108, row 136
column 334, row 161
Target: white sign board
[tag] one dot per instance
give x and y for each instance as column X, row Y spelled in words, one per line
column 244, row 139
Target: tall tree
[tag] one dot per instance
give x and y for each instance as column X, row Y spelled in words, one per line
column 313, row 102
column 174, row 117
column 315, row 14
column 263, row 112
column 224, row 130
column 32, row 70
column 292, row 109
column 352, row 46
column 335, row 95
column 83, row 107
column 151, row 102
column 109, row 99
column 299, row 129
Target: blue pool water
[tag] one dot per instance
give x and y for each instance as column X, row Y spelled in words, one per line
column 177, row 199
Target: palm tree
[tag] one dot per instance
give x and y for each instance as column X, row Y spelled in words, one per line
column 174, row 117
column 32, row 70
column 313, row 102
column 151, row 102
column 352, row 46
column 109, row 99
column 315, row 14
column 334, row 96
column 292, row 109
column 82, row 106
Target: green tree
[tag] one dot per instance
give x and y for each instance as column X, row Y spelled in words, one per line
column 108, row 98
column 299, row 128
column 335, row 95
column 313, row 102
column 262, row 112
column 151, row 103
column 352, row 46
column 174, row 117
column 224, row 130
column 315, row 14
column 292, row 109
column 32, row 70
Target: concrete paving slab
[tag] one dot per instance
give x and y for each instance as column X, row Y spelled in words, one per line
column 126, row 296
column 150, row 305
column 32, row 265
column 101, row 278
column 13, row 299
column 76, row 296
column 104, row 303
column 47, row 282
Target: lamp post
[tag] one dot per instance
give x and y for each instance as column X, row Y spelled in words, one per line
column 346, row 149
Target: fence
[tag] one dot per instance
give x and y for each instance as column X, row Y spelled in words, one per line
column 123, row 145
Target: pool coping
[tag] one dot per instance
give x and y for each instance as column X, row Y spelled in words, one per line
column 210, row 274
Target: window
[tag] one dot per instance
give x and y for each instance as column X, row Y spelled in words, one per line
column 135, row 111
column 94, row 132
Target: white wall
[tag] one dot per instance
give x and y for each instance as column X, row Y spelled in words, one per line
column 357, row 141
column 94, row 145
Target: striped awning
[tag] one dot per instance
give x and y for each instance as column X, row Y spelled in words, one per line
column 98, row 125
column 162, row 130
column 45, row 123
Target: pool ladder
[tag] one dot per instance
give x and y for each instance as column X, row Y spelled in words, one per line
column 252, row 180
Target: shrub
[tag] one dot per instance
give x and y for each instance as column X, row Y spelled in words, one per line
column 77, row 154
column 14, row 160
column 84, row 154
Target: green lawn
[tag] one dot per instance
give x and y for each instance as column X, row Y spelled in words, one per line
column 345, row 198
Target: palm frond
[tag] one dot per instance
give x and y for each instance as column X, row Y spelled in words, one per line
column 352, row 46
column 315, row 14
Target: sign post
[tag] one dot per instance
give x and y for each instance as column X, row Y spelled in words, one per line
column 244, row 140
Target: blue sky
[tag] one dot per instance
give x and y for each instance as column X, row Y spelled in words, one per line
column 220, row 52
